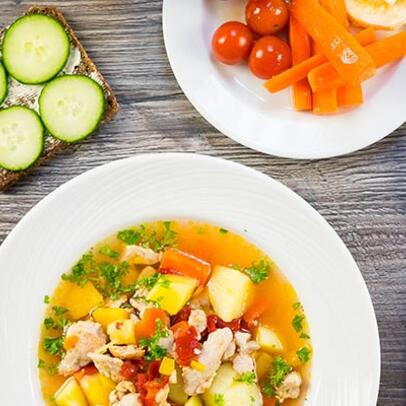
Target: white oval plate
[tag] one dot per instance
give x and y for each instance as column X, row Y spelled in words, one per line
column 54, row 234
column 236, row 103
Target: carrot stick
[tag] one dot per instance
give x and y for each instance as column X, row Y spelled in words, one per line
column 344, row 52
column 382, row 52
column 301, row 70
column 337, row 9
column 350, row 95
column 301, row 49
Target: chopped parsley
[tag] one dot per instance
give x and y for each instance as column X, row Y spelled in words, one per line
column 148, row 238
column 247, row 377
column 304, row 354
column 297, row 322
column 280, row 369
column 219, row 399
column 258, row 272
column 154, row 350
column 156, row 279
column 112, row 285
column 46, row 299
column 52, row 369
column 252, row 399
column 304, row 336
column 109, row 252
column 223, row 231
column 60, row 321
column 296, row 305
column 84, row 271
column 54, row 345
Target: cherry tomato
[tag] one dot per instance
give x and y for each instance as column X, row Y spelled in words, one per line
column 232, row 43
column 266, row 17
column 269, row 56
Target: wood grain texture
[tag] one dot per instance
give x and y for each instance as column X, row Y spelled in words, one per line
column 363, row 195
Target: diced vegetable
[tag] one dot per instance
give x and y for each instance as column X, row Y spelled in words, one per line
column 176, row 392
column 269, row 340
column 146, row 327
column 231, row 392
column 229, row 292
column 350, row 95
column 122, row 332
column 173, row 294
column 301, row 50
column 181, row 263
column 301, row 70
column 198, row 366
column 70, row 394
column 337, row 9
column 79, row 300
column 382, row 52
column 344, row 52
column 167, row 366
column 108, row 315
column 194, row 401
column 263, row 364
column 97, row 389
column 325, row 101
column 256, row 310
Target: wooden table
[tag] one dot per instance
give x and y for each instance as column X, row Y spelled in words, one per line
column 363, row 195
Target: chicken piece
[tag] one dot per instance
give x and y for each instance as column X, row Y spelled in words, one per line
column 134, row 254
column 198, row 320
column 243, row 363
column 115, row 304
column 161, row 398
column 197, row 382
column 108, row 366
column 124, row 395
column 167, row 342
column 230, row 351
column 139, row 303
column 126, row 351
column 90, row 337
column 290, row 387
column 244, row 343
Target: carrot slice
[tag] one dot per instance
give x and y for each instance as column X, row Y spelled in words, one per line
column 344, row 52
column 382, row 52
column 256, row 310
column 325, row 101
column 181, row 263
column 301, row 49
column 301, row 70
column 349, row 95
column 146, row 327
column 337, row 9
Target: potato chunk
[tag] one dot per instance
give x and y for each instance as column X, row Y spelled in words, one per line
column 269, row 340
column 122, row 332
column 229, row 292
column 97, row 389
column 194, row 401
column 70, row 394
column 79, row 300
column 174, row 293
column 231, row 392
column 108, row 315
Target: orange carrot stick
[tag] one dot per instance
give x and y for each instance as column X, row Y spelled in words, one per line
column 349, row 95
column 344, row 52
column 301, row 70
column 337, row 9
column 382, row 52
column 301, row 49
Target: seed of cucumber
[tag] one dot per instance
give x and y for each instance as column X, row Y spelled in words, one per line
column 36, row 47
column 3, row 83
column 21, row 138
column 71, row 107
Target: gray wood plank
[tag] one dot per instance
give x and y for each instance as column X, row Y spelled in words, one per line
column 363, row 195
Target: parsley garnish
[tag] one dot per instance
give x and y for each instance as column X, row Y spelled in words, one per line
column 154, row 350
column 247, row 377
column 156, row 279
column 54, row 345
column 304, row 354
column 304, row 336
column 60, row 322
column 297, row 322
column 130, row 236
column 219, row 399
column 258, row 272
column 109, row 252
column 280, row 369
column 85, row 270
column 296, row 305
column 223, row 231
column 46, row 299
column 52, row 369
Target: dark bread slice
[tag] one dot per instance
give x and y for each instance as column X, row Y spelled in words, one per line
column 86, row 67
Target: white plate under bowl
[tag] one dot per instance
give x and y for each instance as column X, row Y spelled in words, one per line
column 236, row 103
column 54, row 234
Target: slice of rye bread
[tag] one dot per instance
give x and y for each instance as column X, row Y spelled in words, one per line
column 86, row 67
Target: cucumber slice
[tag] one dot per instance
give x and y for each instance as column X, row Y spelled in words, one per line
column 35, row 48
column 71, row 107
column 21, row 138
column 3, row 83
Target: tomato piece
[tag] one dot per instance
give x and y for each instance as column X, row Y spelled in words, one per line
column 180, row 329
column 129, row 370
column 182, row 315
column 186, row 346
column 146, row 327
column 266, row 17
column 232, row 42
column 214, row 322
column 269, row 56
column 153, row 369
